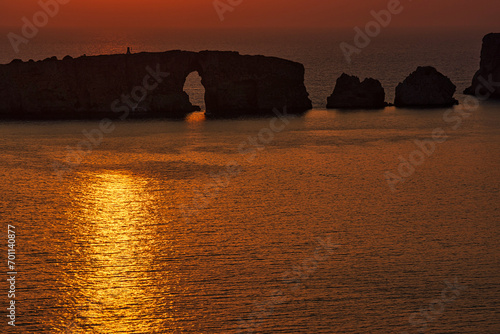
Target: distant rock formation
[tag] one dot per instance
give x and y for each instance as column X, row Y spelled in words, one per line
column 150, row 85
column 489, row 71
column 425, row 88
column 351, row 93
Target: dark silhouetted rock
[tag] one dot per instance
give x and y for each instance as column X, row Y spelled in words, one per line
column 105, row 86
column 67, row 57
column 483, row 83
column 236, row 84
column 425, row 88
column 350, row 93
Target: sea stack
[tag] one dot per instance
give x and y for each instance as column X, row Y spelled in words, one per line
column 483, row 83
column 351, row 93
column 150, row 85
column 425, row 88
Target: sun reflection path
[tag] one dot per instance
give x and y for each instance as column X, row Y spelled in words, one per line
column 195, row 119
column 118, row 284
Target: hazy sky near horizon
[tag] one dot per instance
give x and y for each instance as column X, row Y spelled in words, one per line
column 125, row 14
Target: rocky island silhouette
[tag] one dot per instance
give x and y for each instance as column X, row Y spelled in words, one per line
column 151, row 85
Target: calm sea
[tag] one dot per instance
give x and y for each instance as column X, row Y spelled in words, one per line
column 226, row 226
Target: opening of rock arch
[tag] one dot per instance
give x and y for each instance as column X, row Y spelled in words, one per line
column 195, row 90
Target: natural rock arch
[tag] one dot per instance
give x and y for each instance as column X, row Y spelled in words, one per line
column 105, row 85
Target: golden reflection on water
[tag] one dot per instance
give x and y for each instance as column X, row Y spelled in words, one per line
column 195, row 117
column 195, row 122
column 116, row 277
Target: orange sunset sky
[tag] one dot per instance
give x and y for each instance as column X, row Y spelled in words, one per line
column 255, row 13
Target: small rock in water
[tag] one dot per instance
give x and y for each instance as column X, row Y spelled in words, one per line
column 425, row 88
column 351, row 93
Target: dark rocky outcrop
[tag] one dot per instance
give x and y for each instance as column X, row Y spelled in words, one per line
column 98, row 86
column 236, row 84
column 425, row 88
column 489, row 71
column 351, row 93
